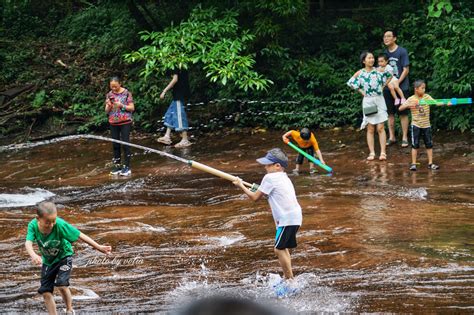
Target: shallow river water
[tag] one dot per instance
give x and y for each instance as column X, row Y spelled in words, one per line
column 375, row 236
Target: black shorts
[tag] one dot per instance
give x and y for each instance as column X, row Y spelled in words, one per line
column 390, row 102
column 417, row 132
column 286, row 236
column 300, row 157
column 56, row 275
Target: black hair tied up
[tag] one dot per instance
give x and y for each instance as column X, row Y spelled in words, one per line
column 115, row 78
column 363, row 55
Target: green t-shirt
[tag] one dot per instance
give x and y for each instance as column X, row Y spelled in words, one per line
column 57, row 244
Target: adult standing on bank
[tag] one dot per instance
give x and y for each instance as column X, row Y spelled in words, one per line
column 119, row 107
column 175, row 117
column 398, row 59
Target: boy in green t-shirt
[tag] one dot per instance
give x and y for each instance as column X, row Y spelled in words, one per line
column 54, row 237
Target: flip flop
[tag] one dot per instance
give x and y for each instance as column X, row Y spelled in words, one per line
column 404, row 144
column 390, row 142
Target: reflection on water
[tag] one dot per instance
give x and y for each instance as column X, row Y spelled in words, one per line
column 375, row 237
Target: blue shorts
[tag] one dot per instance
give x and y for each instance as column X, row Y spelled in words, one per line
column 286, row 236
column 175, row 117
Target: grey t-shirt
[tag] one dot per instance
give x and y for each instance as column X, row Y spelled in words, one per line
column 398, row 59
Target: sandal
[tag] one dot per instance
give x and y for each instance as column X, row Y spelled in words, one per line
column 164, row 140
column 390, row 142
column 371, row 157
column 183, row 144
column 383, row 157
column 404, row 144
column 433, row 167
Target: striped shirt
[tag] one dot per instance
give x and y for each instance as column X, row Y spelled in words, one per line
column 420, row 115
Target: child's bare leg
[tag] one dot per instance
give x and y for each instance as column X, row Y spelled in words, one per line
column 391, row 87
column 50, row 304
column 397, row 89
column 285, row 262
column 67, row 297
column 414, row 153
column 429, row 152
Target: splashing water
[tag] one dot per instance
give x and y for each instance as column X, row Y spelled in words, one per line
column 32, row 197
column 20, row 146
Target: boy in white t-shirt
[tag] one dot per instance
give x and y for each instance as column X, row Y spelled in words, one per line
column 286, row 210
column 393, row 86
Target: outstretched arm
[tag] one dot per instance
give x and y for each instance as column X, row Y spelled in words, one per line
column 255, row 196
column 408, row 104
column 169, row 86
column 101, row 248
column 320, row 156
column 35, row 258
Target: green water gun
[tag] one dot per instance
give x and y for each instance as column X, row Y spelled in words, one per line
column 447, row 101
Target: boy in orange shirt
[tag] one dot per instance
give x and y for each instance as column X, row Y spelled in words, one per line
column 306, row 141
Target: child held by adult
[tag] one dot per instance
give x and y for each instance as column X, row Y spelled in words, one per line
column 395, row 90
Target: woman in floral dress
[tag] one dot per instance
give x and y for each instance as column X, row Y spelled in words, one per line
column 370, row 83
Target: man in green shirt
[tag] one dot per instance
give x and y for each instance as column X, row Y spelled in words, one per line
column 54, row 236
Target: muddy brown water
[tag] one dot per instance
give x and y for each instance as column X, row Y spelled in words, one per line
column 375, row 236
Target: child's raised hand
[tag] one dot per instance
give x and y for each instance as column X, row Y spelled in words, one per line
column 36, row 260
column 105, row 249
column 286, row 140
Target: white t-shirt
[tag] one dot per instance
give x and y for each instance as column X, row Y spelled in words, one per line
column 389, row 69
column 282, row 199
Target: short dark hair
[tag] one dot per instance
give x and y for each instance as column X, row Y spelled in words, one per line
column 418, row 83
column 394, row 32
column 363, row 55
column 45, row 207
column 383, row 55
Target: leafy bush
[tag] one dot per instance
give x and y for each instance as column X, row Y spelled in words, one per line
column 205, row 38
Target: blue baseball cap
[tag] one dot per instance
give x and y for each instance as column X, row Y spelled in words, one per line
column 271, row 159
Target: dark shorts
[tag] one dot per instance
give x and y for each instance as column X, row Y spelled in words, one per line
column 300, row 158
column 56, row 275
column 417, row 133
column 390, row 102
column 286, row 236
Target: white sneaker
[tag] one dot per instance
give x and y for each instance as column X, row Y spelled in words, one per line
column 183, row 144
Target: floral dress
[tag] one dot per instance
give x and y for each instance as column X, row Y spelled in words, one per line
column 372, row 82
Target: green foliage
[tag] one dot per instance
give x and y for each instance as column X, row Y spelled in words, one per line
column 40, row 99
column 207, row 39
column 436, row 8
column 240, row 45
column 105, row 31
column 446, row 63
